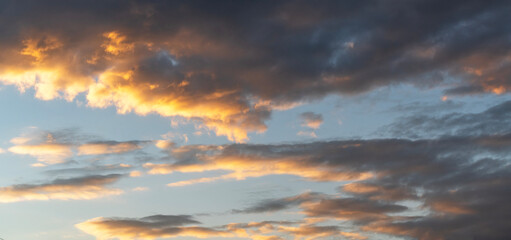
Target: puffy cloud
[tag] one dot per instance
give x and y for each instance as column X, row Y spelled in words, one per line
column 78, row 188
column 230, row 65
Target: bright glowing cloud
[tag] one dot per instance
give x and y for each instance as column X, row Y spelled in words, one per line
column 50, row 150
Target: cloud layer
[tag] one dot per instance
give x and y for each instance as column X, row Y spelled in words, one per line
column 229, row 65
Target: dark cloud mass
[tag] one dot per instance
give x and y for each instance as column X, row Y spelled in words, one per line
column 230, row 63
column 494, row 120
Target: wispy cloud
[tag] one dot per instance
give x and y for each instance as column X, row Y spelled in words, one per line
column 57, row 147
column 79, row 188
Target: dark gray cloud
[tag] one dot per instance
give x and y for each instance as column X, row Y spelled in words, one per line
column 155, row 221
column 494, row 120
column 229, row 64
column 281, row 204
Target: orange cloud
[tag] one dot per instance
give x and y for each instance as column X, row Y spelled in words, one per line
column 110, row 72
column 37, row 48
column 242, row 167
column 159, row 226
column 170, row 226
column 116, row 43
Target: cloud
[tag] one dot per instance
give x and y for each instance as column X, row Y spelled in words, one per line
column 98, row 148
column 354, row 209
column 446, row 188
column 389, row 192
column 311, row 120
column 450, row 187
column 151, row 227
column 311, row 134
column 90, row 169
column 281, row 204
column 218, row 65
column 58, row 146
column 494, row 120
column 78, row 188
column 168, row 226
column 49, row 153
column 244, row 161
column 328, row 161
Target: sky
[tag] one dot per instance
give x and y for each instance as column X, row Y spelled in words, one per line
column 261, row 120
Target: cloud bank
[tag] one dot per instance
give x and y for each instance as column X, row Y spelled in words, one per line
column 230, row 64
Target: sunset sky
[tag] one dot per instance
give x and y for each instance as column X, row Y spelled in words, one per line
column 262, row 120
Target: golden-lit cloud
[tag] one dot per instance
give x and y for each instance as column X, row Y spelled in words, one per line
column 242, row 167
column 50, row 149
column 37, row 48
column 116, row 43
column 49, row 153
column 170, row 226
column 230, row 79
column 319, row 161
column 81, row 188
column 152, row 227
